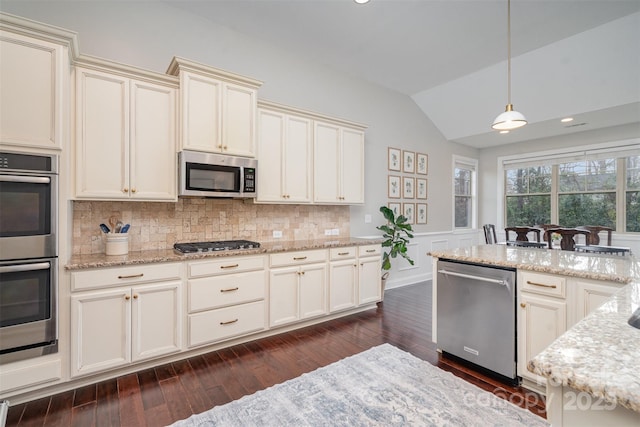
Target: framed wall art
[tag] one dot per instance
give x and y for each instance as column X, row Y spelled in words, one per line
column 393, row 190
column 422, row 164
column 421, row 188
column 408, row 210
column 393, row 160
column 408, row 161
column 421, row 213
column 395, row 208
column 408, row 184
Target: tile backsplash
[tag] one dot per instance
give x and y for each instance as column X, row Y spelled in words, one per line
column 160, row 225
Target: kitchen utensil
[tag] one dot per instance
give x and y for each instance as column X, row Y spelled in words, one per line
column 125, row 228
column 113, row 220
column 104, row 228
column 119, row 225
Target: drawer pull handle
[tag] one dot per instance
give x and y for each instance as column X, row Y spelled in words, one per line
column 541, row 284
column 370, row 251
column 229, row 266
column 229, row 322
column 343, row 253
column 300, row 258
column 229, row 290
column 132, row 276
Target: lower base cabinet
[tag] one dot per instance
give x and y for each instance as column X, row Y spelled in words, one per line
column 115, row 327
column 297, row 293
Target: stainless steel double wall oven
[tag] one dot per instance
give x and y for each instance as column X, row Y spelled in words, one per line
column 28, row 255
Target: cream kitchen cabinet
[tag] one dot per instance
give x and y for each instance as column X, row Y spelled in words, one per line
column 591, row 294
column 338, row 164
column 125, row 134
column 217, row 109
column 284, row 154
column 369, row 274
column 113, row 327
column 343, row 279
column 34, row 83
column 225, row 298
column 297, row 286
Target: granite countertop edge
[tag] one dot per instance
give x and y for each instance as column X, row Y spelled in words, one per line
column 81, row 262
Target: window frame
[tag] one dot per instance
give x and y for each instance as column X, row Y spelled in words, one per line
column 468, row 163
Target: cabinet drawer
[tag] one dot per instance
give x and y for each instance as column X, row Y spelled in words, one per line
column 225, row 266
column 300, row 257
column 220, row 291
column 118, row 276
column 544, row 284
column 369, row 250
column 217, row 325
column 342, row 253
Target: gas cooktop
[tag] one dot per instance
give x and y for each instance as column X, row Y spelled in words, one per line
column 221, row 245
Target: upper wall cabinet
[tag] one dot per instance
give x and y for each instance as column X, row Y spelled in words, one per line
column 285, row 155
column 217, row 109
column 34, row 82
column 125, row 133
column 338, row 163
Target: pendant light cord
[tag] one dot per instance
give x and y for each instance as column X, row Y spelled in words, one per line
column 509, row 51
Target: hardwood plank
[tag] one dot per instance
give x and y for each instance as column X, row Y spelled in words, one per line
column 174, row 391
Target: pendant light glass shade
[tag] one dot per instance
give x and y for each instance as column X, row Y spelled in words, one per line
column 510, row 119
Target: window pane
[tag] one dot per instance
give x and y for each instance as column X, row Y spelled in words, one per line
column 463, row 182
column 601, row 175
column 633, row 173
column 633, row 211
column 463, row 212
column 528, row 210
column 587, row 209
column 517, row 181
column 572, row 176
column 530, row 180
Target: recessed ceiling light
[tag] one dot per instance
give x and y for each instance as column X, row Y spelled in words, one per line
column 361, row 1
column 567, row 120
column 504, row 131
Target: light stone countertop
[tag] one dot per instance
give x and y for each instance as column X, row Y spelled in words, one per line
column 80, row 262
column 600, row 355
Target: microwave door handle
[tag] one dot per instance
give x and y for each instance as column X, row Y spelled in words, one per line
column 25, row 179
column 25, row 267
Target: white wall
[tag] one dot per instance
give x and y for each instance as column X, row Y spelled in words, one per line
column 149, row 34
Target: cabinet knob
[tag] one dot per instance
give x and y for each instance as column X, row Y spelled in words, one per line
column 523, row 305
column 133, row 190
column 220, row 146
column 127, row 297
column 135, row 296
column 125, row 190
column 225, row 147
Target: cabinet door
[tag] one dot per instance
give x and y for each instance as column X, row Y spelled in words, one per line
column 102, row 135
column 313, row 290
column 238, row 120
column 156, row 320
column 591, row 295
column 326, row 144
column 352, row 166
column 33, row 76
column 200, row 115
column 101, row 331
column 540, row 321
column 283, row 296
column 370, row 286
column 297, row 160
column 270, row 156
column 343, row 281
column 153, row 160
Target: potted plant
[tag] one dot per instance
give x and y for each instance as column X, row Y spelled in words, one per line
column 396, row 233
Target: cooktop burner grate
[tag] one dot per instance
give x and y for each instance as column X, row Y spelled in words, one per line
column 221, row 245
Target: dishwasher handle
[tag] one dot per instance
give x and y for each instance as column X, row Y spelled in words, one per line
column 501, row 282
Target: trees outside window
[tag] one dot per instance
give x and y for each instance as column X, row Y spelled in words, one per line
column 464, row 192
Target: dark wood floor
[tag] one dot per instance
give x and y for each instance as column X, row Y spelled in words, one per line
column 168, row 393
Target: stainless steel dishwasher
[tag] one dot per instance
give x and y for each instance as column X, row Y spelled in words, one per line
column 476, row 315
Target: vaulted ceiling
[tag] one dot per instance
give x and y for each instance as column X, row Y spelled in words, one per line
column 570, row 57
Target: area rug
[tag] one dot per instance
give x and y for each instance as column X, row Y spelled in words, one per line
column 383, row 386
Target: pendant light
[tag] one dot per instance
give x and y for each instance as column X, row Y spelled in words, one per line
column 510, row 119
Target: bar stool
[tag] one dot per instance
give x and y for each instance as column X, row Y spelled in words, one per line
column 566, row 243
column 594, row 238
column 545, row 227
column 490, row 234
column 521, row 233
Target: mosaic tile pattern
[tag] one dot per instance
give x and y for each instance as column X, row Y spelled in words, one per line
column 157, row 226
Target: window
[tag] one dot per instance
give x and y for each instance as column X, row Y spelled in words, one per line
column 593, row 187
column 464, row 192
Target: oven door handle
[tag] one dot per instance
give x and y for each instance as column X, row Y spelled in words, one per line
column 25, row 267
column 25, row 179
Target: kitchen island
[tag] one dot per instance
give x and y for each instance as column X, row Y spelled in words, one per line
column 593, row 369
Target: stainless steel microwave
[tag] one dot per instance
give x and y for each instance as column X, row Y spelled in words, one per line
column 216, row 175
